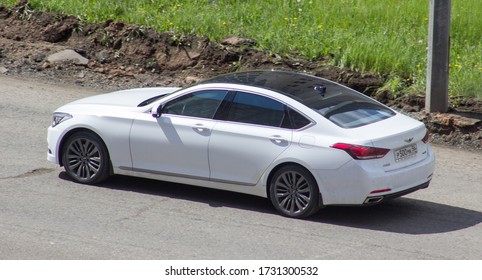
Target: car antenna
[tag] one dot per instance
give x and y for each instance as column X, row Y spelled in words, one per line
column 321, row 89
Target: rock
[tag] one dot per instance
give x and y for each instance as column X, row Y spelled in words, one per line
column 67, row 55
column 38, row 58
column 465, row 122
column 191, row 80
column 238, row 41
column 3, row 70
column 443, row 119
column 176, row 61
column 408, row 108
column 454, row 120
column 103, row 56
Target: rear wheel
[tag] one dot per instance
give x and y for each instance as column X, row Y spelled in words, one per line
column 294, row 192
column 85, row 158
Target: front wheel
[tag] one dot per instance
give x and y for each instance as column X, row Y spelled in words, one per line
column 294, row 192
column 85, row 158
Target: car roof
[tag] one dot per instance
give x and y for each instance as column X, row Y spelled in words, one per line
column 299, row 86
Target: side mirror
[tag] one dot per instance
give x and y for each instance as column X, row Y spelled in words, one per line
column 157, row 112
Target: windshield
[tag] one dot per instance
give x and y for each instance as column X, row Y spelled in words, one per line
column 153, row 99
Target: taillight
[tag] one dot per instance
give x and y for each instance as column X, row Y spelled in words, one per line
column 426, row 138
column 361, row 152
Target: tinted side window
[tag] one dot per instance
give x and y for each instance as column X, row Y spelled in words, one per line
column 255, row 109
column 294, row 120
column 202, row 104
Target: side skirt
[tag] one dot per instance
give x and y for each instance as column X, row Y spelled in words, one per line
column 257, row 190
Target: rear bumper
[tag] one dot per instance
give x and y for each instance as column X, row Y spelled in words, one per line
column 372, row 200
column 360, row 183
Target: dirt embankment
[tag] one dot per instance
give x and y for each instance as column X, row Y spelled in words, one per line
column 115, row 55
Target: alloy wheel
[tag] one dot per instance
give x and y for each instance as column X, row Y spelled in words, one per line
column 293, row 192
column 84, row 159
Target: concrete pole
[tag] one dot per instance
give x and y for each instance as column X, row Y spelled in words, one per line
column 436, row 97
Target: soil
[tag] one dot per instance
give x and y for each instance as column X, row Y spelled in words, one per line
column 116, row 55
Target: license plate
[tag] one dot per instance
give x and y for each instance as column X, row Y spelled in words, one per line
column 405, row 152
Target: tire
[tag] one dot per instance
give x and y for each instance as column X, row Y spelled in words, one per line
column 294, row 192
column 85, row 158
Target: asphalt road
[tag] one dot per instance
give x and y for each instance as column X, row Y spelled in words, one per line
column 43, row 215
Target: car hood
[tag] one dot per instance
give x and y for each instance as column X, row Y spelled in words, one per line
column 128, row 98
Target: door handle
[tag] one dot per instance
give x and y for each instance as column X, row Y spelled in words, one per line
column 277, row 139
column 200, row 128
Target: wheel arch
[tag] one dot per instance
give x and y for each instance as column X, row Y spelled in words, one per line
column 283, row 164
column 77, row 130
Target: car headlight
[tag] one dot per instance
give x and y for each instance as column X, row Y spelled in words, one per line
column 60, row 117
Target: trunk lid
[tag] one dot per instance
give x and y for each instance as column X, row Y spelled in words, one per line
column 402, row 135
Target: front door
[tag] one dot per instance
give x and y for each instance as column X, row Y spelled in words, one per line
column 176, row 143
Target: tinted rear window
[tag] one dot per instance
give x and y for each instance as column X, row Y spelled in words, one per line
column 347, row 108
column 355, row 114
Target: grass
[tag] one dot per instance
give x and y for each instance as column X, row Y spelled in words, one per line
column 382, row 36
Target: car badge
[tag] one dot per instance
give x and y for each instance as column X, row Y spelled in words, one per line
column 409, row 140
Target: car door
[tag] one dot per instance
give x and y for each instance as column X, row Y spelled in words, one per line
column 176, row 143
column 247, row 139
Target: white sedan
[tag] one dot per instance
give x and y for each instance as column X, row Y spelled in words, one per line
column 302, row 141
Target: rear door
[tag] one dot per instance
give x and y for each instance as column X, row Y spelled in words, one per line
column 247, row 139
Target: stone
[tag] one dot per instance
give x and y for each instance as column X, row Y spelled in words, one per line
column 238, row 41
column 454, row 120
column 66, row 56
column 192, row 80
column 176, row 61
column 103, row 56
column 465, row 122
column 38, row 58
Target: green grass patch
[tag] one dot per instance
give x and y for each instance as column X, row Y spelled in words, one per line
column 381, row 36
